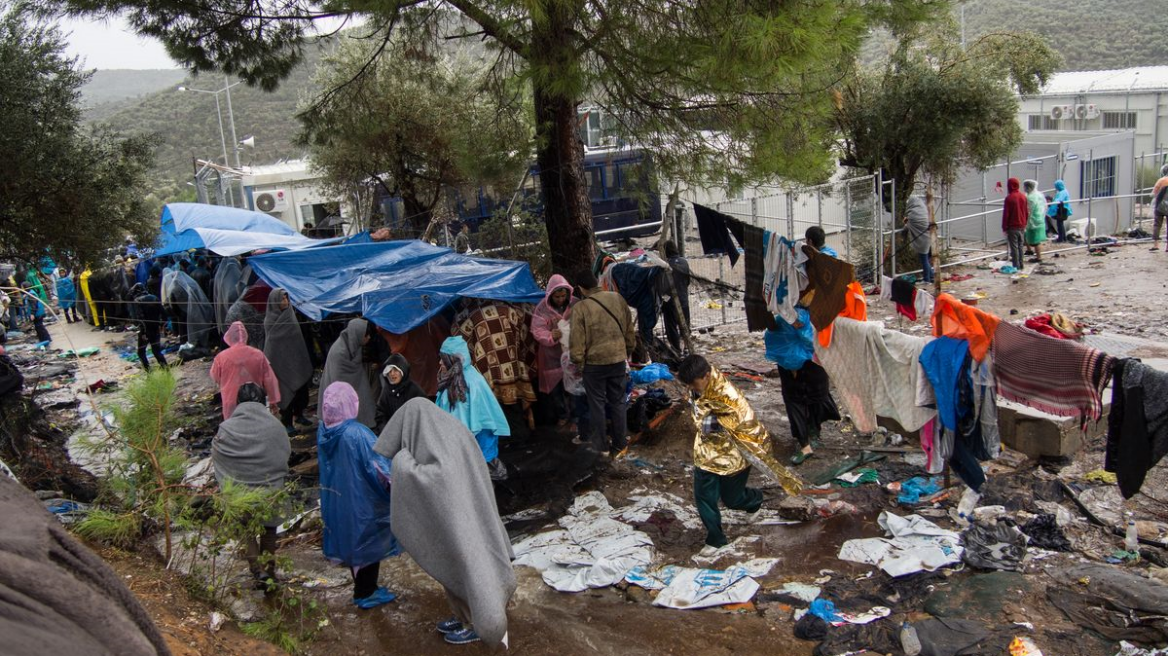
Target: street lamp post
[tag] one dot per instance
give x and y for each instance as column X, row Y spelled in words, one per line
column 230, row 117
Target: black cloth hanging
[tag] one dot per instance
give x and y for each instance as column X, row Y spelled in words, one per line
column 758, row 317
column 904, row 295
column 714, row 231
column 1137, row 432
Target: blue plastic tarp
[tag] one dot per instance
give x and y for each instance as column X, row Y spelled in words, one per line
column 226, row 231
column 399, row 285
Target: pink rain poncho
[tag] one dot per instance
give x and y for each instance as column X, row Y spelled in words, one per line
column 240, row 364
column 339, row 404
column 544, row 321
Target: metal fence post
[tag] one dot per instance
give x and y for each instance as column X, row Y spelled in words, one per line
column 790, row 216
column 819, row 205
column 985, row 217
column 848, row 221
column 877, row 224
column 754, row 210
column 722, row 280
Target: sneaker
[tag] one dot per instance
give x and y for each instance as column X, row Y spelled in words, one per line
column 448, row 626
column 302, row 421
column 463, row 637
column 708, row 551
column 380, row 597
column 578, row 440
column 753, row 517
column 801, row 457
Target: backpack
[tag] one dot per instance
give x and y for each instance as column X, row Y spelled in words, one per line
column 1162, row 201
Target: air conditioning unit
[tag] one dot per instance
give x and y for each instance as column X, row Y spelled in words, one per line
column 1059, row 112
column 1080, row 112
column 1092, row 111
column 272, row 201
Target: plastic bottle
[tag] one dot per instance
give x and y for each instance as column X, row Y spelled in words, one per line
column 1131, row 540
column 909, row 641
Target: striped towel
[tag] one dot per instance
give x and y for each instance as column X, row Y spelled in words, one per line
column 1056, row 376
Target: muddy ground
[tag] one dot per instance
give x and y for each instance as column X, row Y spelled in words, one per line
column 1119, row 294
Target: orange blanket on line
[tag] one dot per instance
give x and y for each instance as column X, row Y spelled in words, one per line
column 855, row 307
column 952, row 318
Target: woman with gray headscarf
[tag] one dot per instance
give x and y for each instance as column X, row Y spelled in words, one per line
column 444, row 515
column 346, row 361
column 252, row 449
column 288, row 354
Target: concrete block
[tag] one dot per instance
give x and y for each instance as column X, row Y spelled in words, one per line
column 1038, row 434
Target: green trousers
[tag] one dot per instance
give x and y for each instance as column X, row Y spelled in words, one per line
column 731, row 490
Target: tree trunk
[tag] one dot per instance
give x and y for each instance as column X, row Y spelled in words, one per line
column 567, row 209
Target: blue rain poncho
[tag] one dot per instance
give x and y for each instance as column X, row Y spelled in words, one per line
column 1060, row 196
column 354, row 498
column 66, row 292
column 788, row 346
column 480, row 412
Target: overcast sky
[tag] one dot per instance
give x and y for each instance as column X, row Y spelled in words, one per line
column 112, row 44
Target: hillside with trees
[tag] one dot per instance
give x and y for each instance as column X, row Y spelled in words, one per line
column 106, row 87
column 187, row 128
column 1089, row 34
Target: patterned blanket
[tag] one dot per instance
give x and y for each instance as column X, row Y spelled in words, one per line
column 502, row 347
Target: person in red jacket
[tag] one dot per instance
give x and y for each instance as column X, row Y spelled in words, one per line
column 1015, row 214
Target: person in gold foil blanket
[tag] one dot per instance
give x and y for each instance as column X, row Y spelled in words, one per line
column 730, row 440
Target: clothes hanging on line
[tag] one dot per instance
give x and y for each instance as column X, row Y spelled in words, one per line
column 783, row 279
column 855, row 307
column 827, row 288
column 758, row 317
column 944, row 363
column 1137, row 426
column 952, row 318
column 923, row 301
column 876, row 372
column 904, row 296
column 1056, row 376
column 715, row 233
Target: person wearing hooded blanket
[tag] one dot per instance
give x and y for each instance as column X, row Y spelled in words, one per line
column 445, row 517
column 354, row 495
column 1059, row 209
column 555, row 307
column 252, row 320
column 346, row 361
column 1015, row 216
column 288, row 354
column 465, row 394
column 396, row 388
column 916, row 222
column 67, row 296
column 189, row 307
column 239, row 364
column 252, row 449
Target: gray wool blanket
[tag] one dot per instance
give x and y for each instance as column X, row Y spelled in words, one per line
column 251, row 447
column 58, row 597
column 346, row 362
column 444, row 512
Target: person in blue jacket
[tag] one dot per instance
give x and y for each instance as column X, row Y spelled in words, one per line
column 354, row 496
column 464, row 393
column 1059, row 209
column 67, row 296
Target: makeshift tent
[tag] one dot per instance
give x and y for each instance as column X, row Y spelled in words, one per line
column 398, row 285
column 226, row 230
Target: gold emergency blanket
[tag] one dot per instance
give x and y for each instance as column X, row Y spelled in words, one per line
column 743, row 441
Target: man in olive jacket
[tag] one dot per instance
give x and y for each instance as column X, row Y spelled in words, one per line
column 600, row 339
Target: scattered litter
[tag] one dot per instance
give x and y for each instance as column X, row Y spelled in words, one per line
column 1122, row 556
column 1045, row 533
column 1100, row 476
column 1128, row 649
column 689, row 588
column 802, row 591
column 858, row 477
column 824, row 610
column 216, row 622
column 994, row 545
column 916, row 544
column 66, row 511
column 736, row 549
column 1022, row 646
column 916, row 487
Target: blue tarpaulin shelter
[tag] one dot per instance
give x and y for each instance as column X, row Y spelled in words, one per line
column 398, row 285
column 226, row 231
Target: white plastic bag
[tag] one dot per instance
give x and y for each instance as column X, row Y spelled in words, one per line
column 573, row 377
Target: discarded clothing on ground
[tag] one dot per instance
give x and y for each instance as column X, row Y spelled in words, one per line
column 1058, row 326
column 994, row 545
column 881, row 637
column 915, row 544
column 876, row 372
column 1137, row 426
column 948, row 637
column 915, row 488
column 1044, row 533
column 811, row 627
column 1056, row 376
